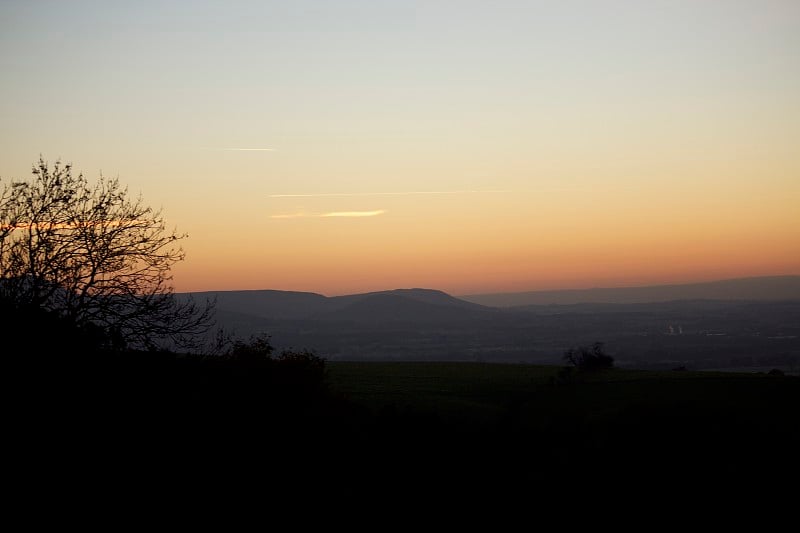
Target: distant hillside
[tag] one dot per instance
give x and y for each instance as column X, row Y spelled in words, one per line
column 267, row 303
column 429, row 325
column 406, row 305
column 411, row 305
column 428, row 296
column 770, row 288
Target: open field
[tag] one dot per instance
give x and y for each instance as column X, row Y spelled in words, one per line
column 480, row 391
column 707, row 425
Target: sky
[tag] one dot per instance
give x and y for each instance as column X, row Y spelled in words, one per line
column 472, row 147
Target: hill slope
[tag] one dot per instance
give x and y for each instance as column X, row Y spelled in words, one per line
column 408, row 305
column 770, row 288
column 404, row 306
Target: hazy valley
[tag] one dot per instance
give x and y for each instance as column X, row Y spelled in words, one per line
column 748, row 324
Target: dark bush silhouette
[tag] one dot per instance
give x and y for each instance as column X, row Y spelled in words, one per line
column 29, row 330
column 292, row 373
column 303, row 365
column 257, row 348
column 589, row 358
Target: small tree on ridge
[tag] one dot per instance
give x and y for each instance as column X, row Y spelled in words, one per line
column 589, row 358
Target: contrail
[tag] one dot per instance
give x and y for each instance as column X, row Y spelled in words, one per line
column 239, row 149
column 353, row 213
column 333, row 214
column 403, row 193
column 292, row 215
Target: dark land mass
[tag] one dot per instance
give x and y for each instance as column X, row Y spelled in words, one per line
column 170, row 426
column 429, row 325
column 376, row 432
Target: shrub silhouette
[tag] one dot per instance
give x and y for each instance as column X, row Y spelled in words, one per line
column 292, row 371
column 589, row 358
column 257, row 348
column 24, row 325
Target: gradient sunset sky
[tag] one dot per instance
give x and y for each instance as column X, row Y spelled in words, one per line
column 347, row 146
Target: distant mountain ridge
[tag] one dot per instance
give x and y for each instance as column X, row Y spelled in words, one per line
column 702, row 325
column 766, row 288
column 393, row 305
column 419, row 305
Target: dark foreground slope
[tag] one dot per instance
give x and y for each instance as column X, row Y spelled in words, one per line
column 388, row 430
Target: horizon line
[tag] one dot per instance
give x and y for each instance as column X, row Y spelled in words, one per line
column 461, row 294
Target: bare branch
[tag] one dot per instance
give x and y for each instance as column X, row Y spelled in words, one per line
column 94, row 256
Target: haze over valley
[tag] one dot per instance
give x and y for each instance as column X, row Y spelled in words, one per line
column 746, row 324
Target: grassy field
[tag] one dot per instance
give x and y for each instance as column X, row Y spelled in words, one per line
column 461, row 391
column 482, row 391
column 673, row 421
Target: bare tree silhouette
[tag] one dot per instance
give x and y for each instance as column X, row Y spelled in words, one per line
column 94, row 257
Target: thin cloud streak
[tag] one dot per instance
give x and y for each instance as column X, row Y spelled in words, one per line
column 402, row 193
column 293, row 215
column 354, row 213
column 334, row 214
column 240, row 149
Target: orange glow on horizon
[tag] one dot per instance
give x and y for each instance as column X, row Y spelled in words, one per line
column 472, row 273
column 427, row 144
column 509, row 244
